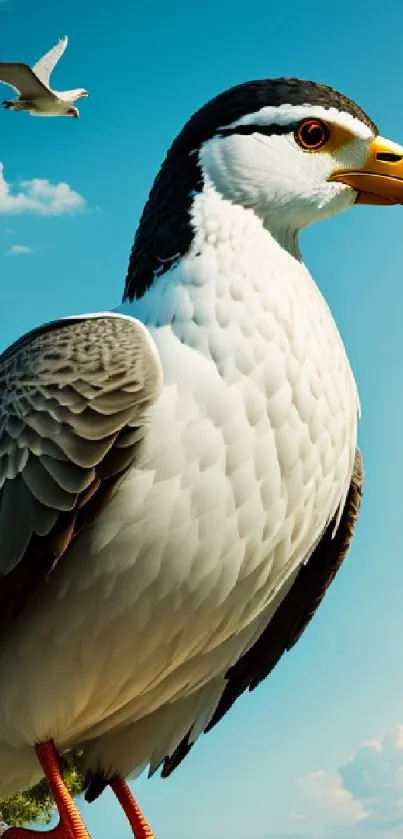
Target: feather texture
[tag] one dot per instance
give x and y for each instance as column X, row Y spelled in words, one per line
column 214, row 548
column 289, row 621
column 21, row 78
column 44, row 67
column 74, row 399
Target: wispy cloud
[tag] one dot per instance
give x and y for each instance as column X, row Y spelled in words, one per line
column 362, row 799
column 374, row 777
column 325, row 794
column 38, row 196
column 16, row 250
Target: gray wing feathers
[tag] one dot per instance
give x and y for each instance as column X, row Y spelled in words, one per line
column 44, row 67
column 23, row 80
column 21, row 515
column 73, row 411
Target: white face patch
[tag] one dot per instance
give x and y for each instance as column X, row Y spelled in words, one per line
column 288, row 114
column 288, row 187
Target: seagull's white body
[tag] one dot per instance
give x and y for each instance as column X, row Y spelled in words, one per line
column 248, row 457
column 33, row 86
column 180, row 479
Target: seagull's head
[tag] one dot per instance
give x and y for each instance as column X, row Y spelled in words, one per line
column 295, row 152
column 73, row 112
column 82, row 93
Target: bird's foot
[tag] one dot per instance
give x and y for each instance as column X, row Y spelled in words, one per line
column 138, row 823
column 61, row 831
column 7, row 104
column 71, row 825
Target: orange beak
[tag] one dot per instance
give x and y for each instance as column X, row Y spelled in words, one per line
column 380, row 181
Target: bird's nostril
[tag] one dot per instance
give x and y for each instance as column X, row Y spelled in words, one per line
column 389, row 157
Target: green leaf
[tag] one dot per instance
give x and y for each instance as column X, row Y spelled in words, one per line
column 36, row 804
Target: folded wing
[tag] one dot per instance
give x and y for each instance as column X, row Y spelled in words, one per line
column 74, row 401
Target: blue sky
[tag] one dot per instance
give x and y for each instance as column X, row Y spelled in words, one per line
column 289, row 760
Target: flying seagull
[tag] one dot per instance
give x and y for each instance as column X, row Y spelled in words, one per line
column 32, row 84
column 180, row 478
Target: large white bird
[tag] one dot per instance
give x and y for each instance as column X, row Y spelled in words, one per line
column 33, row 86
column 180, row 478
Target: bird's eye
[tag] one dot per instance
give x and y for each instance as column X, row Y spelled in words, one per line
column 312, row 134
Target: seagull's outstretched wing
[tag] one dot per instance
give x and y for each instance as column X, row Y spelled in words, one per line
column 73, row 413
column 292, row 616
column 22, row 79
column 44, row 67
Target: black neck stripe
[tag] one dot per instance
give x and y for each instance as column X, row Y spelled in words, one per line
column 257, row 128
column 165, row 232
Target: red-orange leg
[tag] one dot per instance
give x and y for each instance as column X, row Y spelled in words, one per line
column 71, row 825
column 139, row 825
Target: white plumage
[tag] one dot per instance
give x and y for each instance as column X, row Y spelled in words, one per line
column 33, row 86
column 215, row 414
column 255, row 427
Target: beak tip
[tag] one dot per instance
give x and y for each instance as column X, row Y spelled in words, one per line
column 380, row 180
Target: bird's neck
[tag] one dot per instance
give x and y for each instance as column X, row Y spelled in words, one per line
column 213, row 215
column 231, row 282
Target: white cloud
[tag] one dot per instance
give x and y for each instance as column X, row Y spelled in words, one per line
column 374, row 776
column 38, row 196
column 362, row 799
column 323, row 795
column 16, row 250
